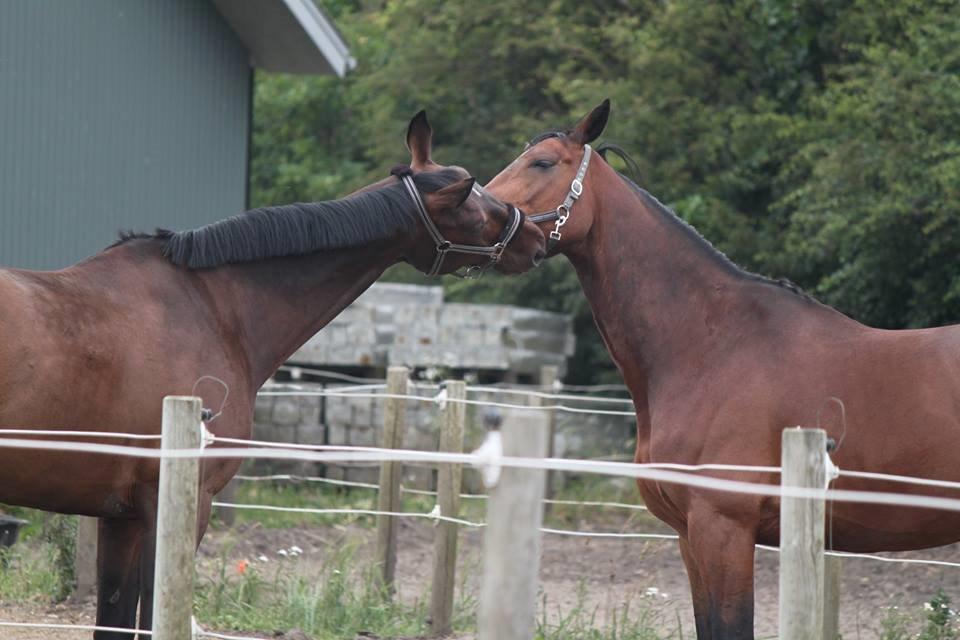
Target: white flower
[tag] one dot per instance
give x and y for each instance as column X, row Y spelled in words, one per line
column 296, row 550
column 651, row 592
column 282, row 552
column 263, row 558
column 927, row 606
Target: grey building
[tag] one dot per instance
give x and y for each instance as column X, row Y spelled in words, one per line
column 135, row 113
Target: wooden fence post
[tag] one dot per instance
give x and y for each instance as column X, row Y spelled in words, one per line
column 86, row 556
column 801, row 535
column 448, row 499
column 548, row 376
column 388, row 498
column 227, row 515
column 177, row 521
column 832, row 568
column 511, row 540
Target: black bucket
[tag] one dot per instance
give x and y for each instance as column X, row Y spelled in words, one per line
column 9, row 530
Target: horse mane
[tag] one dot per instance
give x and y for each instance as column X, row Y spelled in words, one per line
column 669, row 214
column 298, row 229
column 706, row 245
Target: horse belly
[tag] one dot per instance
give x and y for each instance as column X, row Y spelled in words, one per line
column 67, row 482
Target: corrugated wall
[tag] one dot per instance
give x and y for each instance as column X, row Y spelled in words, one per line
column 116, row 114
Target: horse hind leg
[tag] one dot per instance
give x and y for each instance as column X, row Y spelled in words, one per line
column 118, row 576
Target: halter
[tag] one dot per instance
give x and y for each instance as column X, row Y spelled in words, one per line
column 444, row 246
column 562, row 212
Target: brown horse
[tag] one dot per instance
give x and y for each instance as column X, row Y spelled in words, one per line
column 98, row 345
column 719, row 361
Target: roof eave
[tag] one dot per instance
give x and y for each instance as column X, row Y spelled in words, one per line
column 290, row 36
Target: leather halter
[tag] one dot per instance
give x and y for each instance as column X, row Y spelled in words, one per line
column 444, row 246
column 562, row 212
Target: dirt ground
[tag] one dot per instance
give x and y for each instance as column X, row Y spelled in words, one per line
column 600, row 573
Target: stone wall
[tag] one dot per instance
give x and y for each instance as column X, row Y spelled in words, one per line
column 359, row 421
column 411, row 325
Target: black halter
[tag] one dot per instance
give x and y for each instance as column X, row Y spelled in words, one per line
column 562, row 212
column 444, row 246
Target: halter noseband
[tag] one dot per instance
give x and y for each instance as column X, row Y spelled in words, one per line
column 562, row 212
column 444, row 246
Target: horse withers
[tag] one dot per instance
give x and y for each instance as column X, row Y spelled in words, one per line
column 719, row 361
column 98, row 345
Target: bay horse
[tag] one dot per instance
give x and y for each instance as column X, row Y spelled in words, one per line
column 719, row 361
column 98, row 345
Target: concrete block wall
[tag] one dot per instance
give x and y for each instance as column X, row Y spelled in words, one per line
column 359, row 422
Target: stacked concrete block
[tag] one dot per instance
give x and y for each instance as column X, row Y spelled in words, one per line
column 359, row 422
column 397, row 324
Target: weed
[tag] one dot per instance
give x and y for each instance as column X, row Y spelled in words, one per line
column 941, row 621
column 343, row 600
column 620, row 622
column 29, row 572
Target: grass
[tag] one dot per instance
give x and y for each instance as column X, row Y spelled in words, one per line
column 941, row 622
column 318, row 495
column 30, row 572
column 619, row 622
column 339, row 602
column 344, row 599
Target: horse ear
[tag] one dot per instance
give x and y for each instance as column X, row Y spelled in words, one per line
column 454, row 195
column 592, row 125
column 419, row 141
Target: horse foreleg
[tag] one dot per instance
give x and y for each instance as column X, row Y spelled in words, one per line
column 118, row 576
column 698, row 593
column 721, row 553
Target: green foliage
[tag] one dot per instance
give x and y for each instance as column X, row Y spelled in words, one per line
column 583, row 622
column 895, row 625
column 60, row 532
column 941, row 621
column 812, row 140
column 340, row 602
column 30, row 572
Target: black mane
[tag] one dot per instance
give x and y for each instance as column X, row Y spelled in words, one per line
column 546, row 135
column 658, row 206
column 298, row 229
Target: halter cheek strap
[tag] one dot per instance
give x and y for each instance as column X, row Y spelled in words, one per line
column 444, row 246
column 562, row 212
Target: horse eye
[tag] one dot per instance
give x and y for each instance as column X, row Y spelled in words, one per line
column 542, row 163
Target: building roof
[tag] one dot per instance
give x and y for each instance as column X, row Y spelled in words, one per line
column 291, row 36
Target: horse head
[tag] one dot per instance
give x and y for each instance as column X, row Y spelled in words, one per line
column 463, row 227
column 553, row 175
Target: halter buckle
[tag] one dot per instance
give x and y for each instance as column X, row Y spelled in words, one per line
column 576, row 187
column 474, row 272
column 497, row 252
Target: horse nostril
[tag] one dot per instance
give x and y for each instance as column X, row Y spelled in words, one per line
column 538, row 257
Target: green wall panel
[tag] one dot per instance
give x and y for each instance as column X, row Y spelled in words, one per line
column 116, row 114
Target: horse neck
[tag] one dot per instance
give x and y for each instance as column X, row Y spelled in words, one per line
column 276, row 305
column 656, row 289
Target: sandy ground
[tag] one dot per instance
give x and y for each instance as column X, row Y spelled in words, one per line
column 600, row 573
